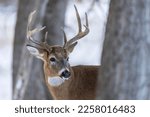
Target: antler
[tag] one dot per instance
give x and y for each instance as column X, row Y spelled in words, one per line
column 30, row 33
column 80, row 32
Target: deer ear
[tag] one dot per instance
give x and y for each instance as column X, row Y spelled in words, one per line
column 70, row 48
column 39, row 53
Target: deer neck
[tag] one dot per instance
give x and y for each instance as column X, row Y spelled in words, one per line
column 56, row 85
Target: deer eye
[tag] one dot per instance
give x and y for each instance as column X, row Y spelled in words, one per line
column 52, row 59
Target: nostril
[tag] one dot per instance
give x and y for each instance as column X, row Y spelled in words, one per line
column 66, row 74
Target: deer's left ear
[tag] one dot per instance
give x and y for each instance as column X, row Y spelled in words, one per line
column 70, row 48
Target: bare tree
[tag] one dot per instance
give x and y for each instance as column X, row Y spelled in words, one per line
column 54, row 21
column 20, row 33
column 28, row 78
column 125, row 60
column 22, row 61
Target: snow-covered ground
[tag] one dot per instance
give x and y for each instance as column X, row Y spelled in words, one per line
column 87, row 51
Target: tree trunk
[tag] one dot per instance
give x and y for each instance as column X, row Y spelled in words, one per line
column 25, row 7
column 54, row 21
column 28, row 77
column 22, row 61
column 125, row 59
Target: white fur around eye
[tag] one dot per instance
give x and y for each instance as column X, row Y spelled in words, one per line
column 55, row 81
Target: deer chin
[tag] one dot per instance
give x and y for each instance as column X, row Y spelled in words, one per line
column 65, row 78
column 56, row 81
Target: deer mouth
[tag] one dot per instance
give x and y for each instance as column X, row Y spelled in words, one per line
column 64, row 78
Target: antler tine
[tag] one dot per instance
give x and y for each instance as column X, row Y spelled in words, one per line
column 65, row 37
column 87, row 24
column 78, row 19
column 45, row 37
column 32, row 32
column 80, row 33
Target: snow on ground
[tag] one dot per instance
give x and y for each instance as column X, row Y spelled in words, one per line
column 87, row 51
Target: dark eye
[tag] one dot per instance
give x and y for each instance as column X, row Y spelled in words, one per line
column 52, row 59
column 68, row 59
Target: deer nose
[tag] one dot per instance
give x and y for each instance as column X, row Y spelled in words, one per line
column 66, row 74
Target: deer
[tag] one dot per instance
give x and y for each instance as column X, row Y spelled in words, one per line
column 64, row 82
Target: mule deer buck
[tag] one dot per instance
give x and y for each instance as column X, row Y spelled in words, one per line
column 62, row 80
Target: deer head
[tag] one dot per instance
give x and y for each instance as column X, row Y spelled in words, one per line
column 55, row 57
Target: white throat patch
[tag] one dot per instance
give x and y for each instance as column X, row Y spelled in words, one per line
column 55, row 81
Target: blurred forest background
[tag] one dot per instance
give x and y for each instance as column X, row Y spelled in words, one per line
column 124, row 58
column 17, row 62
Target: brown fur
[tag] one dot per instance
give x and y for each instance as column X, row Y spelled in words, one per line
column 80, row 86
column 82, row 82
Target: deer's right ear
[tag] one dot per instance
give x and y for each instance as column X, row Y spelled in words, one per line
column 71, row 47
column 39, row 53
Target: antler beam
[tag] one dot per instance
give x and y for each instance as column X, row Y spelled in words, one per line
column 30, row 33
column 80, row 32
